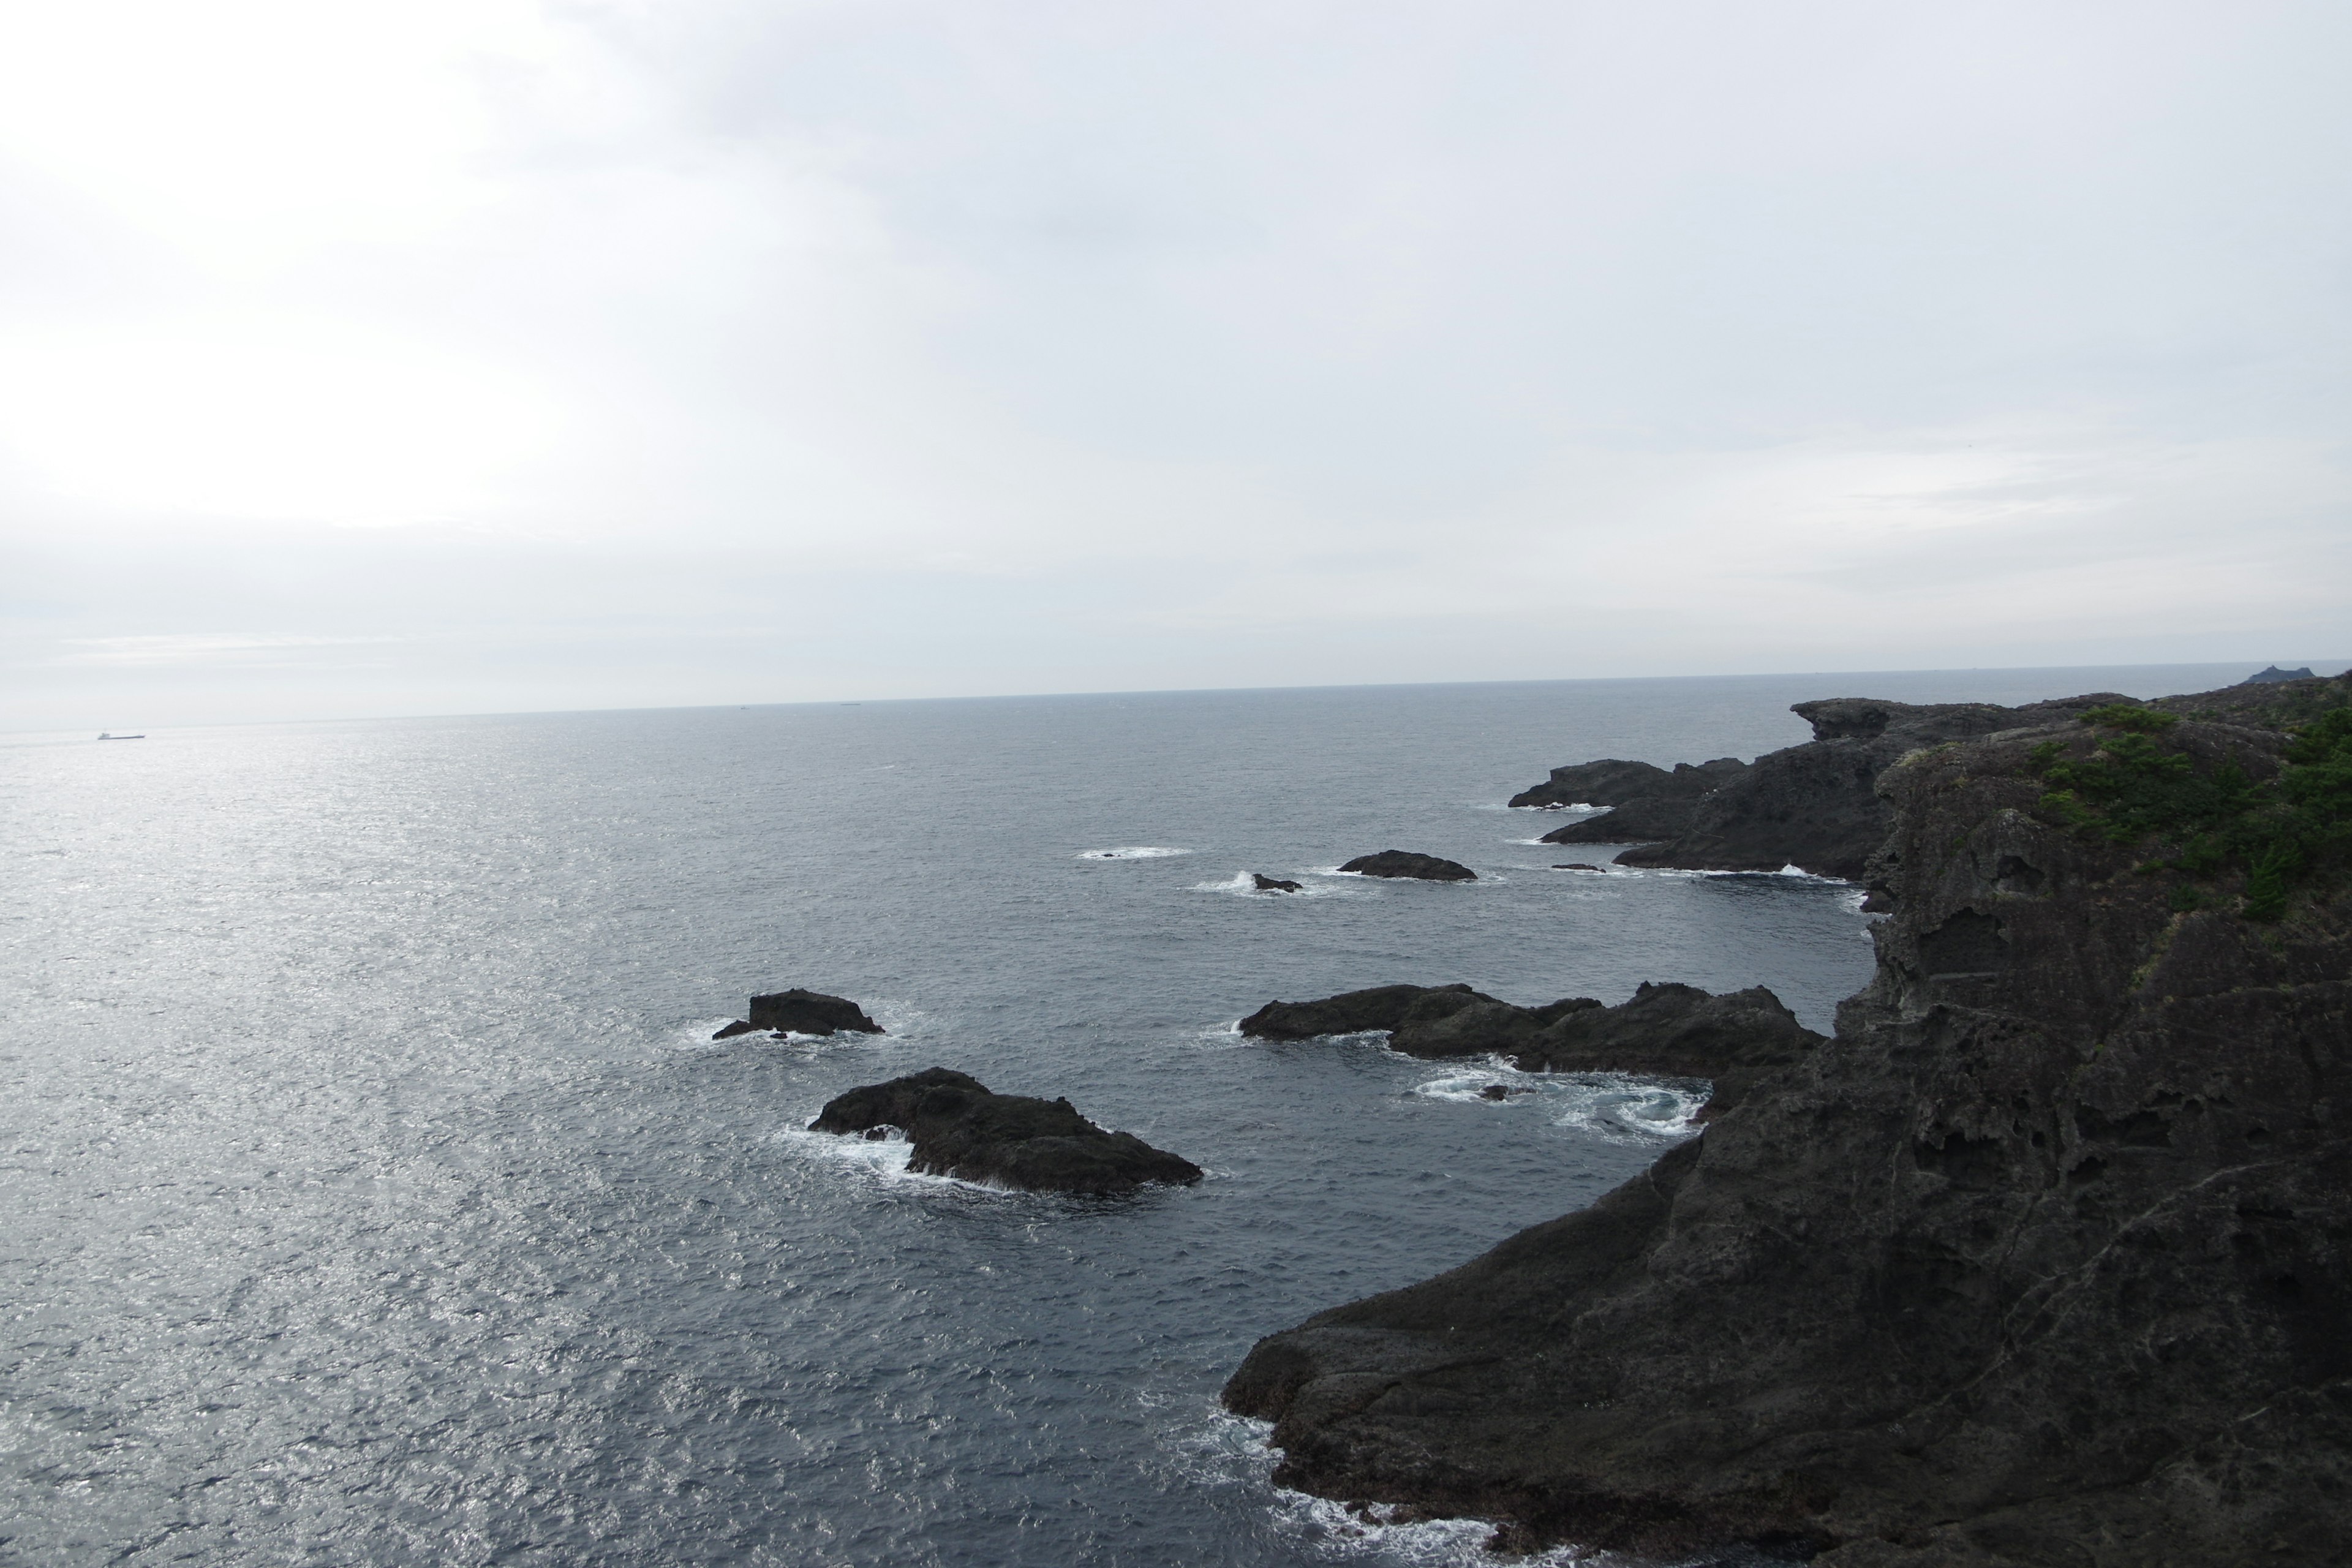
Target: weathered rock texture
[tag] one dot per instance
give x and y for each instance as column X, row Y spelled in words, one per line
column 1357, row 1012
column 960, row 1128
column 1665, row 1031
column 1405, row 863
column 2045, row 1260
column 810, row 1013
column 1612, row 782
column 1813, row 806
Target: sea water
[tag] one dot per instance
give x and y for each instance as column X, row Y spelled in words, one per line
column 374, row 1192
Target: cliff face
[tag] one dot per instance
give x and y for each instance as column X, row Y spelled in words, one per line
column 1816, row 805
column 2046, row 1258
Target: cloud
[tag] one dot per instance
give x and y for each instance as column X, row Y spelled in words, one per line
column 1170, row 345
column 209, row 648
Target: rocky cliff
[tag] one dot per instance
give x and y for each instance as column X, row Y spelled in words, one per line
column 2046, row 1258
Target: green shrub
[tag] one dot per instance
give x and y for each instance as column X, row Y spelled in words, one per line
column 2289, row 835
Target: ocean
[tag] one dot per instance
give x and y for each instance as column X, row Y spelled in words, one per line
column 373, row 1193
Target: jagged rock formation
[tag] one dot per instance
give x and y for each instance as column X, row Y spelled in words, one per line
column 1813, row 806
column 1614, row 781
column 1405, row 863
column 1262, row 883
column 2272, row 675
column 2045, row 1260
column 1358, row 1012
column 1665, row 1031
column 959, row 1127
column 2270, row 703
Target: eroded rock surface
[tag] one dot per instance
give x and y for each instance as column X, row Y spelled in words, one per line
column 2046, row 1258
column 1405, row 863
column 1357, row 1012
column 1663, row 1031
column 959, row 1127
column 810, row 1013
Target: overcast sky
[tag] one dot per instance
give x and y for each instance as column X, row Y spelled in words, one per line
column 465, row 355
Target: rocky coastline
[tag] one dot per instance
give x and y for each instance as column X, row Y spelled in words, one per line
column 2045, row 1257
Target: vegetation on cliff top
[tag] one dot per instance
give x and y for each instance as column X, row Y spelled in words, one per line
column 2286, row 835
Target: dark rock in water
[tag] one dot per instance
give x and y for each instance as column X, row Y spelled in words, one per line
column 1266, row 884
column 1816, row 805
column 1649, row 804
column 1614, row 782
column 1573, row 866
column 1665, row 1031
column 1675, row 1031
column 2045, row 1260
column 1358, row 1012
column 810, row 1013
column 959, row 1127
column 2274, row 675
column 740, row 1027
column 1502, row 1091
column 1405, row 863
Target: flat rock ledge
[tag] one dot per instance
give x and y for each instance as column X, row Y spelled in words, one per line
column 962, row 1127
column 1405, row 863
column 801, row 1012
column 1663, row 1031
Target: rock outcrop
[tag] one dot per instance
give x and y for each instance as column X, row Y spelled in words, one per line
column 959, row 1127
column 1665, row 1031
column 1266, row 884
column 1405, row 863
column 2045, row 1260
column 1358, row 1012
column 1618, row 783
column 1811, row 806
column 803, row 1012
column 2272, row 675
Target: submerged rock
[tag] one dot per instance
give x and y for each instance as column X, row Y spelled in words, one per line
column 1405, row 863
column 2044, row 1259
column 959, row 1127
column 810, row 1013
column 1574, row 866
column 1266, row 884
column 740, row 1027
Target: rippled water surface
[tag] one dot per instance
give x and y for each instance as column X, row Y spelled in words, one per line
column 373, row 1193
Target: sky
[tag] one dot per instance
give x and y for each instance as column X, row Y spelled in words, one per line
column 487, row 356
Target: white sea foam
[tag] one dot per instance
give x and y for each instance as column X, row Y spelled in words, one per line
column 1134, row 852
column 1622, row 1107
column 883, row 1159
column 1617, row 1106
column 1223, row 1449
column 1241, row 885
column 1471, row 1086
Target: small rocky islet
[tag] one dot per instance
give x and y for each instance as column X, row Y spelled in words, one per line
column 959, row 1127
column 801, row 1012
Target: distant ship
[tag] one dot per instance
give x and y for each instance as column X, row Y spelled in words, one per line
column 104, row 736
